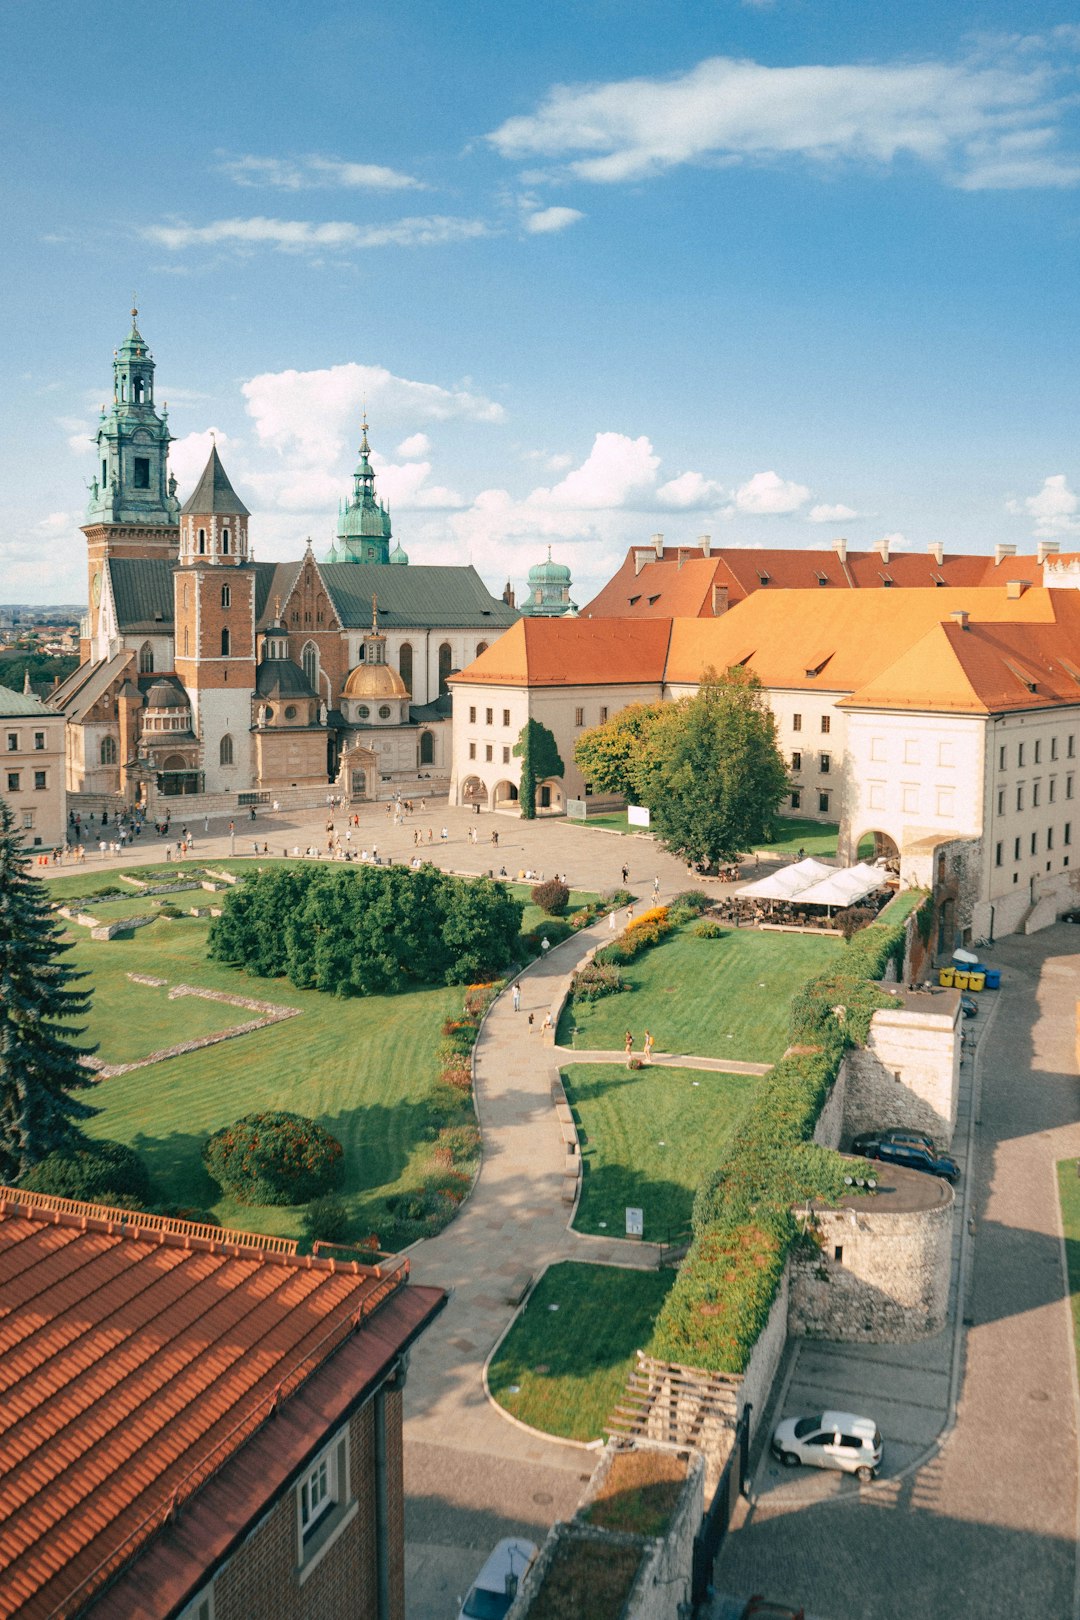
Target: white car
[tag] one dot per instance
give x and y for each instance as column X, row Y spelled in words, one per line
column 495, row 1588
column 830, row 1440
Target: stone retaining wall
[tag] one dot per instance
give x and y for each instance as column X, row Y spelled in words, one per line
column 909, row 1071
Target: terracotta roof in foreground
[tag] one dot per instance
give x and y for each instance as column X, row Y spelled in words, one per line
column 572, row 652
column 980, row 669
column 136, row 1363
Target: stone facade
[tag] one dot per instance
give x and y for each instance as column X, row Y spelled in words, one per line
column 909, row 1071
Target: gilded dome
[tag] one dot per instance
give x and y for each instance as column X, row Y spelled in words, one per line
column 375, row 681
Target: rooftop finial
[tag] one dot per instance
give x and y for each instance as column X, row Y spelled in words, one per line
column 134, row 308
column 277, row 608
column 374, row 615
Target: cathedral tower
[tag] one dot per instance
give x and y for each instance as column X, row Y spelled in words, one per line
column 133, row 510
column 363, row 531
column 215, row 626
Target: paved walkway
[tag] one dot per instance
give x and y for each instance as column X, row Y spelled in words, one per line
column 985, row 1526
column 661, row 1060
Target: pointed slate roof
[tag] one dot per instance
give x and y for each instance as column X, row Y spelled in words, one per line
column 213, row 494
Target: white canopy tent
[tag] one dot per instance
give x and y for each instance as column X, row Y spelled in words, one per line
column 844, row 888
column 789, row 882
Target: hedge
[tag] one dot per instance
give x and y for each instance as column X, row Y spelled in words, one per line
column 103, row 1172
column 743, row 1220
column 274, row 1158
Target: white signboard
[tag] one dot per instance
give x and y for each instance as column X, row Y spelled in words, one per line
column 637, row 815
column 635, row 1222
column 577, row 809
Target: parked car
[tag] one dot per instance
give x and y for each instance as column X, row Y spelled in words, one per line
column 830, row 1440
column 761, row 1608
column 909, row 1149
column 495, row 1588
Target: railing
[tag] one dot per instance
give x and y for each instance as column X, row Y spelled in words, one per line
column 132, row 1222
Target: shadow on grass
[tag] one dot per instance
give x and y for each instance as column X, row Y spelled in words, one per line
column 608, row 1191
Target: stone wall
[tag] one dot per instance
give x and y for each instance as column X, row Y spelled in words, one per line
column 757, row 1380
column 909, row 1071
column 881, row 1277
column 830, row 1126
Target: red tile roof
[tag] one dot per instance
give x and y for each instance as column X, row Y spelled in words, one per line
column 981, row 669
column 134, row 1364
column 568, row 652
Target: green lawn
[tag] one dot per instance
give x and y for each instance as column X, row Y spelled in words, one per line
column 648, row 1138
column 364, row 1068
column 129, row 1021
column 798, row 832
column 617, row 821
column 564, row 1371
column 145, row 905
column 726, row 997
column 900, row 907
column 1069, row 1192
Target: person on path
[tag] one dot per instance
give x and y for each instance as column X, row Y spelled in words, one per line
column 625, row 874
column 648, row 1047
column 532, row 1016
column 629, row 915
column 547, row 1024
column 611, row 922
column 517, row 998
column 495, row 840
column 656, row 888
column 628, row 1047
column 444, row 835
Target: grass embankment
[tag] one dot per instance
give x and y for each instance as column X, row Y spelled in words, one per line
column 563, row 1371
column 1069, row 1193
column 725, row 998
column 793, row 833
column 648, row 1138
column 364, row 1068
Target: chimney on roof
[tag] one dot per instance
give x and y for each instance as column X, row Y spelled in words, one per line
column 684, row 555
column 959, row 616
column 840, row 547
column 705, row 542
column 1047, row 548
column 719, row 600
column 883, row 549
column 658, row 546
column 1005, row 549
column 1015, row 589
column 508, row 595
column 936, row 548
column 640, row 559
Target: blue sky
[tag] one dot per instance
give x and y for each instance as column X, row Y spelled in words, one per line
column 774, row 272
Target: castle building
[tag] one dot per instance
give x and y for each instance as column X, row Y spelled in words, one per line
column 206, row 673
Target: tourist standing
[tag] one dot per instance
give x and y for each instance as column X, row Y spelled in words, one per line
column 517, row 997
column 628, row 1047
column 648, row 1047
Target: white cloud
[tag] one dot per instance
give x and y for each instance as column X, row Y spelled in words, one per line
column 769, row 495
column 616, row 468
column 895, row 541
column 689, row 492
column 547, row 220
column 189, row 455
column 406, row 488
column 1055, row 508
column 315, row 173
column 991, row 121
column 304, row 236
column 832, row 514
column 415, row 447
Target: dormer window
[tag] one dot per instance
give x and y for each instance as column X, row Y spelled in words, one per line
column 763, row 577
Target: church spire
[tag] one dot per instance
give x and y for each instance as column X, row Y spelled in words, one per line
column 131, row 484
column 363, row 532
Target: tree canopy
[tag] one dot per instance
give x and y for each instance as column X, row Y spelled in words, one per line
column 40, row 1061
column 539, row 758
column 707, row 767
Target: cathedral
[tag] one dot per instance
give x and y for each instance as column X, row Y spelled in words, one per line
column 208, row 676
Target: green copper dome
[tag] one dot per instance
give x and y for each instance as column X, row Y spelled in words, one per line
column 398, row 555
column 548, row 594
column 131, row 482
column 363, row 531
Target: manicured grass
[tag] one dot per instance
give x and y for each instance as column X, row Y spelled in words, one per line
column 617, row 821
column 900, row 907
column 724, row 997
column 570, row 1366
column 648, row 1138
column 798, row 832
column 144, row 905
column 129, row 1021
column 364, row 1068
column 1069, row 1193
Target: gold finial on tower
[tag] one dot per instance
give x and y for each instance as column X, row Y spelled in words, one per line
column 374, row 615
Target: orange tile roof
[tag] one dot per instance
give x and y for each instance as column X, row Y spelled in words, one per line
column 134, row 1365
column 847, row 638
column 666, row 587
column 572, row 652
column 980, row 669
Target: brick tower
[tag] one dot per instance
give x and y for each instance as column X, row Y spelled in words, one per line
column 215, row 627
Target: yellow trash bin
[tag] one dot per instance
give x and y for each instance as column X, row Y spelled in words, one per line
column 976, row 981
column 945, row 976
column 960, row 980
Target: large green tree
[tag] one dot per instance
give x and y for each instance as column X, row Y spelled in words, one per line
column 540, row 758
column 707, row 767
column 40, row 1062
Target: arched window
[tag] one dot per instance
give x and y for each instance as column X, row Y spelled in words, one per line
column 225, row 644
column 481, row 646
column 108, row 750
column 202, row 542
column 184, row 596
column 186, row 641
column 137, row 389
column 146, row 661
column 225, row 750
column 226, row 596
column 405, row 665
column 427, row 748
column 309, row 659
column 445, row 665
column 224, row 542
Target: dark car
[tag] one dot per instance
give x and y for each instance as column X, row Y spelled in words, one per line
column 910, row 1156
column 899, row 1135
column 760, row 1608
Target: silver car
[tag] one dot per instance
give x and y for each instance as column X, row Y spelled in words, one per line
column 830, row 1440
column 495, row 1588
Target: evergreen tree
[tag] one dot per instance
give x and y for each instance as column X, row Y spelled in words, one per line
column 540, row 759
column 40, row 1063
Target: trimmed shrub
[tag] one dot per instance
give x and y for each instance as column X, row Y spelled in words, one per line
column 103, row 1172
column 461, row 1142
column 694, row 900
column 552, row 897
column 274, row 1158
column 591, row 982
column 326, row 1219
column 709, row 928
column 852, row 919
column 616, row 898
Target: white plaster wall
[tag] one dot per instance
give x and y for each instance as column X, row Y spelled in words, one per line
column 216, row 711
column 913, row 776
column 908, row 1073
